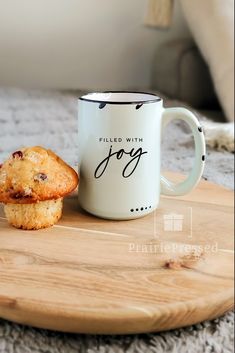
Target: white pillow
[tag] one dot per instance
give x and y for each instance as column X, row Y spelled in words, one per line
column 212, row 25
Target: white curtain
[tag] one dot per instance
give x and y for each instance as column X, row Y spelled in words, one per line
column 212, row 25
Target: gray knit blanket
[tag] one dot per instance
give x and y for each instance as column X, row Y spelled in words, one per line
column 49, row 119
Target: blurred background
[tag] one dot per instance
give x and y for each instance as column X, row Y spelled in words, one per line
column 173, row 47
column 77, row 44
column 110, row 44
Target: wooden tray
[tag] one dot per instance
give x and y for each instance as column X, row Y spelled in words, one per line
column 89, row 275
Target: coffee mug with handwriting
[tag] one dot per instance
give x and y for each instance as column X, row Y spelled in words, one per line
column 119, row 147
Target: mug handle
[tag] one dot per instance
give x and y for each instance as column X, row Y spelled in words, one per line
column 167, row 187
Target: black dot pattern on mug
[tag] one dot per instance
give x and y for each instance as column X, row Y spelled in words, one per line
column 140, row 209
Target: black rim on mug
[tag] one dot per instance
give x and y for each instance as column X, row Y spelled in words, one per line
column 104, row 102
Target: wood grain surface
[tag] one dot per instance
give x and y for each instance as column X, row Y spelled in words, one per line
column 91, row 275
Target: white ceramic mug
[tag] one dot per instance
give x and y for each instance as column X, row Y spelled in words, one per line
column 120, row 153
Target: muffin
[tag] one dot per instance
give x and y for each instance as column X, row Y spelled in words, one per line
column 33, row 183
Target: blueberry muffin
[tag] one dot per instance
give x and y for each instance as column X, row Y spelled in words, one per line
column 33, row 183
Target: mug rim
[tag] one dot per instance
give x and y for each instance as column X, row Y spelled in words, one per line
column 154, row 100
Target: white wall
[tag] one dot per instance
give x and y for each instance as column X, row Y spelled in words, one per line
column 82, row 44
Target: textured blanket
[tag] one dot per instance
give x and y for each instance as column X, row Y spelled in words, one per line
column 49, row 119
